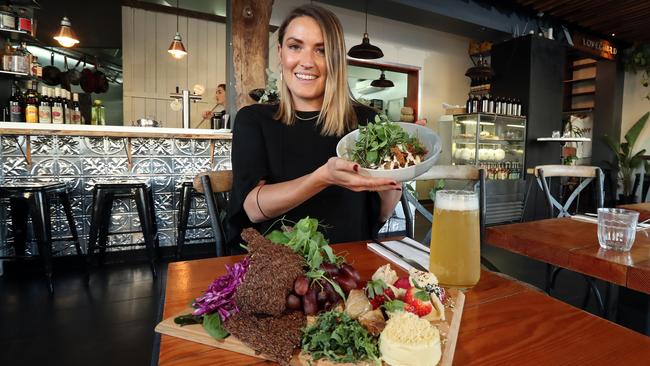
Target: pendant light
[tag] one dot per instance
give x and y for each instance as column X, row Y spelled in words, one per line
column 177, row 49
column 365, row 50
column 65, row 36
column 382, row 82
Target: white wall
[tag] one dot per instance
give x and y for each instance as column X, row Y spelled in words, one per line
column 635, row 105
column 441, row 57
column 151, row 73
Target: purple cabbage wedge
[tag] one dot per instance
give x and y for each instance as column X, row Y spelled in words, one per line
column 220, row 296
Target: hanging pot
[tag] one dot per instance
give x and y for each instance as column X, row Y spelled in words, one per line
column 74, row 75
column 51, row 75
column 101, row 82
column 87, row 81
column 65, row 81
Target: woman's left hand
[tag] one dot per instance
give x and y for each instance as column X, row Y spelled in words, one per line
column 345, row 173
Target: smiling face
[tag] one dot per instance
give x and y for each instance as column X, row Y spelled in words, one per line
column 304, row 67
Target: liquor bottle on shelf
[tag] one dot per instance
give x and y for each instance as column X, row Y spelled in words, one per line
column 490, row 104
column 485, row 103
column 468, row 104
column 7, row 56
column 31, row 105
column 475, row 102
column 497, row 105
column 76, row 109
column 16, row 111
column 66, row 106
column 58, row 114
column 45, row 107
column 518, row 109
column 508, row 107
column 98, row 113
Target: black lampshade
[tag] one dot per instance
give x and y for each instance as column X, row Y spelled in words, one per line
column 382, row 82
column 365, row 50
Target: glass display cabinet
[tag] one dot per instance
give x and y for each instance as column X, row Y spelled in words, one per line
column 496, row 143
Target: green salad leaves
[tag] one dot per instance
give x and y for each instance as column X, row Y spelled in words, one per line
column 376, row 139
column 337, row 337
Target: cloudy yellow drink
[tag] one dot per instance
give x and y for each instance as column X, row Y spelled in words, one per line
column 455, row 239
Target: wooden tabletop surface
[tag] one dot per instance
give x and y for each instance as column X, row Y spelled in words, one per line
column 573, row 244
column 504, row 322
column 642, row 208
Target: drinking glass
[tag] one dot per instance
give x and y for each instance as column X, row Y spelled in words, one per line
column 617, row 228
column 455, row 239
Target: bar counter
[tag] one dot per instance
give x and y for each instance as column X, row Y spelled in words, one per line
column 80, row 155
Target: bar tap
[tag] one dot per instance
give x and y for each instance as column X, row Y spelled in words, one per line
column 185, row 97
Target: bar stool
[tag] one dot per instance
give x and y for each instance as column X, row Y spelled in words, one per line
column 104, row 193
column 214, row 186
column 34, row 199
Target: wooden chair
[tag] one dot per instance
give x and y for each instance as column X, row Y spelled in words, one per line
column 588, row 175
column 215, row 186
column 453, row 172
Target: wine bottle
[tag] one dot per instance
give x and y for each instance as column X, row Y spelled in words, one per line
column 44, row 107
column 16, row 106
column 31, row 105
column 58, row 115
column 76, row 109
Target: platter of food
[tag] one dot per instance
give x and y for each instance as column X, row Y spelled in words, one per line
column 395, row 150
column 294, row 301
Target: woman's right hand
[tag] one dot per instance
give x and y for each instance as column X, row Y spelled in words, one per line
column 207, row 114
column 345, row 173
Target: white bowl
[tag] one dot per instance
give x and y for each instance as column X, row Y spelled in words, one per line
column 427, row 138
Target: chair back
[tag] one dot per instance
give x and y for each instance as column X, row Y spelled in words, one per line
column 215, row 186
column 588, row 174
column 454, row 172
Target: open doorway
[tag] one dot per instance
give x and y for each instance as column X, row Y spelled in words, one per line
column 388, row 100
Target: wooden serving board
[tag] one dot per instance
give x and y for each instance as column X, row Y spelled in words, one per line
column 196, row 333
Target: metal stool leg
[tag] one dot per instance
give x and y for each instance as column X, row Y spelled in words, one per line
column 183, row 217
column 19, row 210
column 105, row 207
column 144, row 210
column 214, row 216
column 67, row 207
column 95, row 220
column 40, row 213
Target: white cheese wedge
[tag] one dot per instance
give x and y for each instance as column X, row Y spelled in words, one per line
column 408, row 340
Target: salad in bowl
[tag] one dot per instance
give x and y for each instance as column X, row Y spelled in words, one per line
column 395, row 150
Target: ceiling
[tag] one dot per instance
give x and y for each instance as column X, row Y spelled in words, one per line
column 628, row 20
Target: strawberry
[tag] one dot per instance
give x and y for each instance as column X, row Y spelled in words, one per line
column 420, row 300
column 378, row 293
column 409, row 308
column 377, row 301
column 403, row 283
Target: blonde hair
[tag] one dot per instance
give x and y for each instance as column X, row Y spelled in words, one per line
column 337, row 114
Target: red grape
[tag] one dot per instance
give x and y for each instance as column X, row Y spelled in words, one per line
column 301, row 285
column 331, row 269
column 293, row 302
column 309, row 302
column 350, row 272
column 346, row 283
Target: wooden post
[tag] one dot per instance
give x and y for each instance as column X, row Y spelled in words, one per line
column 250, row 44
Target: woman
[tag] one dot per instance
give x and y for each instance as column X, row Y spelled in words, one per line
column 283, row 156
column 220, row 97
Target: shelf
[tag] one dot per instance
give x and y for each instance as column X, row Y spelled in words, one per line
column 579, row 110
column 579, row 80
column 583, row 66
column 581, row 94
column 18, row 75
column 17, row 35
column 564, row 139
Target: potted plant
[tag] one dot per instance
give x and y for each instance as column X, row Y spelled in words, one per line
column 624, row 160
column 637, row 58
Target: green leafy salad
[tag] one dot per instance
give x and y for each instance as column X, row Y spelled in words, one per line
column 337, row 337
column 385, row 145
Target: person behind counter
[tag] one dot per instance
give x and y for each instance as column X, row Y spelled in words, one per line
column 284, row 156
column 220, row 98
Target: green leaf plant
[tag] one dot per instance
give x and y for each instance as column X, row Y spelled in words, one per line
column 625, row 160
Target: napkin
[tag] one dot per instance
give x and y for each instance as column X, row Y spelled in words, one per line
column 594, row 220
column 420, row 255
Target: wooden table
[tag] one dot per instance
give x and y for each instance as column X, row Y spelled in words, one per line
column 642, row 208
column 504, row 323
column 573, row 245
